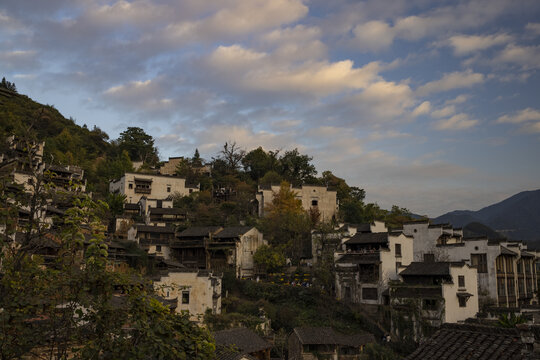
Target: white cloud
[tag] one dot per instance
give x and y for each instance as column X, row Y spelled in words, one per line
column 451, row 81
column 457, row 122
column 444, row 112
column 521, row 116
column 534, row 28
column 240, row 17
column 526, row 56
column 252, row 70
column 386, row 99
column 422, row 109
column 465, row 44
column 373, row 35
column 457, row 100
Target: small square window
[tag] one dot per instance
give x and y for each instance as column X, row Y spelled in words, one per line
column 185, row 297
column 314, row 203
column 168, row 188
column 462, row 302
column 158, row 248
column 130, row 186
column 461, row 281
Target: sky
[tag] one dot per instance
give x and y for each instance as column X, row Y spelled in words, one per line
column 430, row 105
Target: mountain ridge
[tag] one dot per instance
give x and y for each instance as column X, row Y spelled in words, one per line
column 516, row 217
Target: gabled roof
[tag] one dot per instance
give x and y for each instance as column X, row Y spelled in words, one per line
column 506, row 251
column 327, row 336
column 429, row 268
column 233, row 232
column 155, row 229
column 245, row 340
column 368, row 238
column 165, row 211
column 199, row 231
column 473, row 342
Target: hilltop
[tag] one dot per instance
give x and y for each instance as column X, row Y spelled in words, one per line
column 517, row 218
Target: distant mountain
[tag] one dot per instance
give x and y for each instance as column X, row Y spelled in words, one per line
column 517, row 218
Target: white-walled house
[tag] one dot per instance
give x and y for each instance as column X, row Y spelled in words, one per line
column 153, row 186
column 427, row 236
column 195, row 291
column 368, row 262
column 312, row 197
column 434, row 293
column 234, row 247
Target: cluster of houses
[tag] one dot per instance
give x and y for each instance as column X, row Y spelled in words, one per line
column 427, row 274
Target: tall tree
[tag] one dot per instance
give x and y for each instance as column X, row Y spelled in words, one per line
column 232, row 155
column 139, row 145
column 297, row 168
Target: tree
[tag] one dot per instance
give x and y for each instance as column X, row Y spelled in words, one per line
column 232, row 155
column 8, row 85
column 286, row 223
column 269, row 258
column 139, row 145
column 297, row 168
column 258, row 162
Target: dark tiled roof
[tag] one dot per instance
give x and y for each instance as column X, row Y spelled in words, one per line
column 506, row 251
column 233, row 232
column 199, row 231
column 368, row 238
column 226, row 353
column 244, row 339
column 473, row 342
column 327, row 335
column 526, row 254
column 129, row 206
column 155, row 229
column 427, row 269
column 354, row 258
column 165, row 211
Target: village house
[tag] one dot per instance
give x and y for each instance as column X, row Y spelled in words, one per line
column 218, row 248
column 433, row 293
column 241, row 343
column 427, row 236
column 325, row 243
column 190, row 246
column 136, row 185
column 313, row 197
column 368, row 262
column 155, row 240
column 233, row 247
column 195, row 291
column 507, row 275
column 169, row 167
column 311, row 343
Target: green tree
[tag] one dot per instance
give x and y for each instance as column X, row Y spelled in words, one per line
column 258, row 162
column 297, row 168
column 139, row 145
column 286, row 223
column 269, row 258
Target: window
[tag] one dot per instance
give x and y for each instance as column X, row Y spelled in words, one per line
column 500, row 264
column 480, row 261
column 130, row 186
column 462, row 301
column 511, row 287
column 461, row 281
column 429, row 304
column 190, row 191
column 398, row 250
column 168, row 188
column 369, row 294
column 185, row 297
column 429, row 257
column 158, row 248
column 501, row 287
column 509, row 265
column 314, row 202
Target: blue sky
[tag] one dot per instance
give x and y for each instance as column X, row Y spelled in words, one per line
column 431, row 105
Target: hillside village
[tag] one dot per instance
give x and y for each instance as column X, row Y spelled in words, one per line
column 247, row 256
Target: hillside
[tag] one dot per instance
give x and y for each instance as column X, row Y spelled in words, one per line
column 517, row 218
